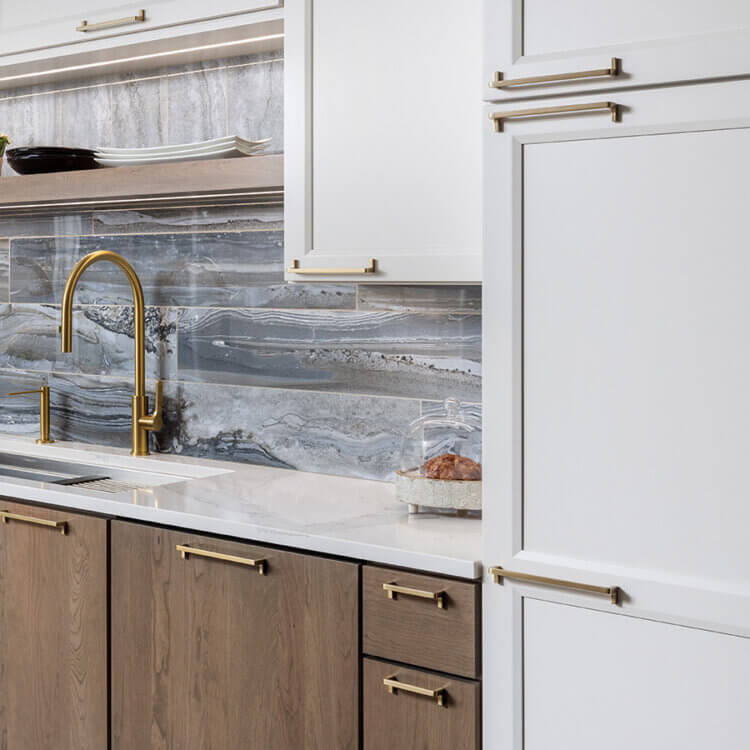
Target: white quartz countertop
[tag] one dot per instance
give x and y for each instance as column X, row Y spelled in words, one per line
column 333, row 515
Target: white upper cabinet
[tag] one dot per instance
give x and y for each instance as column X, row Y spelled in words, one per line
column 571, row 43
column 616, row 407
column 383, row 140
column 45, row 24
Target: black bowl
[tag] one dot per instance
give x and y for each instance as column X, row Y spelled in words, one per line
column 44, row 159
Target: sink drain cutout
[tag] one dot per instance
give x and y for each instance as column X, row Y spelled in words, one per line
column 105, row 484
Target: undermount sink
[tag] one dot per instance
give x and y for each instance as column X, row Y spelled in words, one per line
column 45, row 469
column 101, row 478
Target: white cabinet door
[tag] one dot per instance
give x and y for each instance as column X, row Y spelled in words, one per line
column 655, row 42
column 382, row 139
column 593, row 680
column 49, row 23
column 616, row 405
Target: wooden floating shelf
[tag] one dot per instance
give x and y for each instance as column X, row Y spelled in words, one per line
column 252, row 179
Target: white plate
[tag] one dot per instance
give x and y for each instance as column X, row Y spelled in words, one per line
column 133, row 161
column 215, row 143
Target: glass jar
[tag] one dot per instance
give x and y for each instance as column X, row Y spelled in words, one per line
column 441, row 460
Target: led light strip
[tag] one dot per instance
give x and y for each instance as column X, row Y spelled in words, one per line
column 138, row 58
column 130, row 201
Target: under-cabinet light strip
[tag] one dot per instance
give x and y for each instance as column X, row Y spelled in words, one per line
column 138, row 58
column 130, row 201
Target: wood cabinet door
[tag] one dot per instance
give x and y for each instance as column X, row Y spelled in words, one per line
column 53, row 630
column 655, row 42
column 207, row 653
column 382, row 140
column 398, row 718
column 616, row 414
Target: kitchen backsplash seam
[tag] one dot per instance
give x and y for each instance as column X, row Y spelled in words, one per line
column 41, row 375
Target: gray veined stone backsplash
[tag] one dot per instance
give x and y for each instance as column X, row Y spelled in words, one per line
column 318, row 377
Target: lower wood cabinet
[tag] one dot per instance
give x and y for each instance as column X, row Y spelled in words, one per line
column 123, row 636
column 53, row 629
column 230, row 646
column 411, row 709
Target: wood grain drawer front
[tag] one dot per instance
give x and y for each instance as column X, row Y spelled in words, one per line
column 53, row 629
column 208, row 653
column 400, row 719
column 416, row 630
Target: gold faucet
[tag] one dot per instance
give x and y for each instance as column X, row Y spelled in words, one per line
column 143, row 422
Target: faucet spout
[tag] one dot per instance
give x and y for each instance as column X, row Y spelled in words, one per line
column 143, row 422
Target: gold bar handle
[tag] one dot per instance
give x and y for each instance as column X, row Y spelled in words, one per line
column 186, row 549
column 85, row 26
column 61, row 526
column 371, row 267
column 612, row 592
column 394, row 685
column 393, row 589
column 613, row 70
column 499, row 117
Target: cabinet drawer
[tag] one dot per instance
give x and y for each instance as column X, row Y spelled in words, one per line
column 565, row 47
column 409, row 628
column 401, row 718
column 45, row 28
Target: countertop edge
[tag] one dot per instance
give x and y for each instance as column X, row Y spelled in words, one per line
column 356, row 550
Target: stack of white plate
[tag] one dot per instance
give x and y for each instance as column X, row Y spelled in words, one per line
column 218, row 148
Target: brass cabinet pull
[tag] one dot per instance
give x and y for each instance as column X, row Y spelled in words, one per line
column 499, row 83
column 437, row 596
column 185, row 550
column 370, row 268
column 85, row 26
column 62, row 526
column 610, row 591
column 393, row 685
column 499, row 117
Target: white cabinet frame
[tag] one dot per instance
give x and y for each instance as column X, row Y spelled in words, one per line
column 391, row 266
column 713, row 605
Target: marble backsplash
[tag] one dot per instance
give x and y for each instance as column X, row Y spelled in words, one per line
column 317, row 377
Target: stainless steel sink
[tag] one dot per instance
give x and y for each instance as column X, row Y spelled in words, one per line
column 105, row 476
column 48, row 470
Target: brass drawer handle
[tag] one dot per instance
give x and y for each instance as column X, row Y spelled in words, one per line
column 499, row 117
column 186, row 549
column 613, row 70
column 612, row 592
column 393, row 685
column 85, row 26
column 370, row 268
column 61, row 526
column 393, row 589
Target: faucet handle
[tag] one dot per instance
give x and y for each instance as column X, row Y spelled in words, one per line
column 158, row 401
